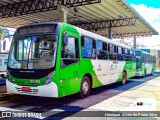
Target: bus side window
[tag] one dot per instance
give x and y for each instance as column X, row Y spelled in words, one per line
column 115, row 52
column 102, row 50
column 111, row 51
column 120, row 53
column 131, row 55
column 70, row 53
column 125, row 54
column 88, row 47
column 105, row 51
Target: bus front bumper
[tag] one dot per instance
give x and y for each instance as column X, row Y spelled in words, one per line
column 49, row 90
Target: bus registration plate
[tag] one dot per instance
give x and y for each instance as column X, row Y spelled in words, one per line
column 26, row 89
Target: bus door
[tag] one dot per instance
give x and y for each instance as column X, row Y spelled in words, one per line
column 101, row 65
column 113, row 72
column 69, row 68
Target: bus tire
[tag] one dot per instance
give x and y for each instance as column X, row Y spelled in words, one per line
column 85, row 87
column 124, row 78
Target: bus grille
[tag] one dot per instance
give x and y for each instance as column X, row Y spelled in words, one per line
column 27, row 76
column 32, row 91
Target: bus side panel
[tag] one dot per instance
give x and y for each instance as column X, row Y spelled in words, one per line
column 69, row 76
column 108, row 71
column 154, row 67
column 148, row 68
column 130, row 68
column 88, row 68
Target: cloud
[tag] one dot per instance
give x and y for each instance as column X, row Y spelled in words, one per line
column 152, row 16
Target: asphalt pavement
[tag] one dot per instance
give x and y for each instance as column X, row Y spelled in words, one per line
column 114, row 97
column 2, row 81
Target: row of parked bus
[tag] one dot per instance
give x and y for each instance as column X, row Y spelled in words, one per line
column 59, row 59
column 145, row 63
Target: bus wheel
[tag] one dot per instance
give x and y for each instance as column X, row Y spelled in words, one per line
column 124, row 78
column 85, row 87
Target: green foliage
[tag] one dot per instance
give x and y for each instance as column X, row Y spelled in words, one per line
column 1, row 33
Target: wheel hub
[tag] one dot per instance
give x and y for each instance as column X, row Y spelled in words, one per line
column 85, row 87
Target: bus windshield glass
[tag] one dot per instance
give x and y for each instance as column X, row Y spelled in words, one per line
column 33, row 52
column 138, row 64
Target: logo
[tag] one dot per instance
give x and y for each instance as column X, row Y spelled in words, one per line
column 27, row 71
column 145, row 104
column 99, row 67
column 6, row 114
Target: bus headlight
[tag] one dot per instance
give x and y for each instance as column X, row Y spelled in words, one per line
column 48, row 79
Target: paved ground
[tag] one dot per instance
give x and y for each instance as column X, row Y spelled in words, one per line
column 113, row 97
column 2, row 82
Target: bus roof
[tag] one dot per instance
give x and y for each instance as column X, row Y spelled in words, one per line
column 146, row 52
column 99, row 37
column 82, row 32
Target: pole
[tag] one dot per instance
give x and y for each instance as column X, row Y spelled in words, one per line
column 110, row 32
column 134, row 41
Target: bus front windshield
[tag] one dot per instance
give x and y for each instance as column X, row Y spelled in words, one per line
column 33, row 52
column 138, row 63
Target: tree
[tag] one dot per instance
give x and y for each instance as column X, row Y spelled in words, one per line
column 1, row 33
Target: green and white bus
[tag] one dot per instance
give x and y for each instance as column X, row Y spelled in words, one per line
column 145, row 63
column 59, row 59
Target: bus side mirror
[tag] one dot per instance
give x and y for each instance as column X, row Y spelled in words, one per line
column 65, row 39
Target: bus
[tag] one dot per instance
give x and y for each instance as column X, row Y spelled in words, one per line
column 4, row 50
column 145, row 63
column 3, row 64
column 58, row 59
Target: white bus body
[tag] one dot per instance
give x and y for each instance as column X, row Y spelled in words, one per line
column 3, row 64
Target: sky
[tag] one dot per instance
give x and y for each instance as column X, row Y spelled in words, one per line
column 150, row 11
column 148, row 3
